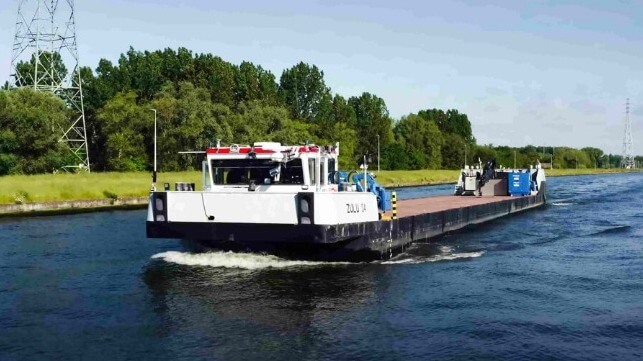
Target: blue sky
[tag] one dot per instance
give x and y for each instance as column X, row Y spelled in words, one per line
column 537, row 72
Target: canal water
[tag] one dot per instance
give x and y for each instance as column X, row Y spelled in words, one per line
column 563, row 282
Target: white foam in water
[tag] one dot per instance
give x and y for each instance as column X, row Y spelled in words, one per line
column 562, row 204
column 252, row 261
column 436, row 258
column 453, row 256
column 247, row 261
column 446, row 249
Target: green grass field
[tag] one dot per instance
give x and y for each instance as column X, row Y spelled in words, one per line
column 565, row 172
column 397, row 178
column 60, row 187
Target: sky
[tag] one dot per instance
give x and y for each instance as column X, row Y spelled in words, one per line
column 548, row 73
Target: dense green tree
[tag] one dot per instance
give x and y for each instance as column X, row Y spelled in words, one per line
column 177, row 66
column 595, row 156
column 88, row 83
column 147, row 72
column 453, row 151
column 371, row 121
column 257, row 122
column 395, row 157
column 422, row 141
column 217, row 76
column 200, row 98
column 31, row 124
column 94, row 98
column 571, row 158
column 456, row 129
column 503, row 155
column 483, row 153
column 255, row 83
column 125, row 124
column 290, row 132
column 50, row 70
column 613, row 160
column 103, row 86
column 342, row 111
column 303, row 90
column 144, row 71
column 528, row 155
column 187, row 120
column 347, row 138
column 450, row 121
column 638, row 161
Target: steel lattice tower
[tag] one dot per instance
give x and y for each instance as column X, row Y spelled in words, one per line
column 627, row 160
column 45, row 39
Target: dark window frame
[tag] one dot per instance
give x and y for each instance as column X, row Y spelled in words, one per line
column 242, row 171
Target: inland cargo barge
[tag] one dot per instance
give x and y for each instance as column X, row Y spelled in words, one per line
column 293, row 201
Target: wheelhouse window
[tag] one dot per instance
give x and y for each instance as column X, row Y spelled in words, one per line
column 259, row 171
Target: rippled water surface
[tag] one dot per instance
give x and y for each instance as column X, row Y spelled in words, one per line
column 563, row 282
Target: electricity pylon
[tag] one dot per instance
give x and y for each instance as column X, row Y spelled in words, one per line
column 627, row 160
column 45, row 57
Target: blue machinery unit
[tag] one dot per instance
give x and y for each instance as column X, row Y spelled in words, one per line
column 383, row 196
column 347, row 180
column 518, row 183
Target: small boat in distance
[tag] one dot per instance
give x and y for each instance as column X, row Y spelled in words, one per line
column 294, row 202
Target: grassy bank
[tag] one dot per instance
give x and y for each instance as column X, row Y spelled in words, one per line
column 566, row 172
column 60, row 187
column 423, row 177
column 400, row 178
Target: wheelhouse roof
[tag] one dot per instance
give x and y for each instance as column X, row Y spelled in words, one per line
column 246, row 149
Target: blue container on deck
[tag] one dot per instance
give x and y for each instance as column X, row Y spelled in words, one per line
column 385, row 202
column 518, row 183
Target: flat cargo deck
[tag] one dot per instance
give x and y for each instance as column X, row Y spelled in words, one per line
column 426, row 218
column 417, row 206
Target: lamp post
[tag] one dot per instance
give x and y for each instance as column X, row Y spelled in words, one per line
column 378, row 153
column 154, row 174
column 514, row 159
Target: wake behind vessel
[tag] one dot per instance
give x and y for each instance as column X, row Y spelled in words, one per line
column 293, row 201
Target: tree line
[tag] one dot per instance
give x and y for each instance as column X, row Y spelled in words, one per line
column 201, row 98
